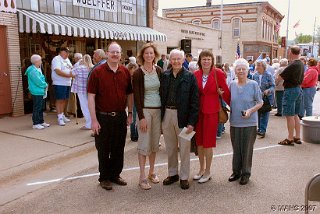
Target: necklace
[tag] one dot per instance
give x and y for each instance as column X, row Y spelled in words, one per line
column 205, row 78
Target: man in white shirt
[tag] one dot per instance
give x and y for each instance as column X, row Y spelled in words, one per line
column 61, row 81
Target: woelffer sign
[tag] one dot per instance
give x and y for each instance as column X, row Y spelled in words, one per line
column 106, row 5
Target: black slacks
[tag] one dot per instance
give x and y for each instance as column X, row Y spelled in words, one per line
column 110, row 144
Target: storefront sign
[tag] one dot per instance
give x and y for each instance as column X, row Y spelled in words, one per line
column 107, row 5
column 191, row 32
column 127, row 8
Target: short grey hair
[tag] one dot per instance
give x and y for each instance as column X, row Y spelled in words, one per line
column 78, row 55
column 101, row 53
column 34, row 58
column 193, row 66
column 241, row 61
column 283, row 62
column 262, row 62
column 275, row 60
column 176, row 51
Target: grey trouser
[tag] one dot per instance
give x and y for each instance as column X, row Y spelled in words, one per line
column 242, row 139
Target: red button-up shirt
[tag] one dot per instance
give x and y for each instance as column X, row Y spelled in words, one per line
column 111, row 88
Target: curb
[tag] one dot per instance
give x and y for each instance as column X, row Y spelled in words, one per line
column 45, row 162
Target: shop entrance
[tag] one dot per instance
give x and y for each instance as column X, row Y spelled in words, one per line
column 5, row 91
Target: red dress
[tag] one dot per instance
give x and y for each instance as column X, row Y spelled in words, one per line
column 207, row 126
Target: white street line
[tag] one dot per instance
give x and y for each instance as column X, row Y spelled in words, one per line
column 133, row 168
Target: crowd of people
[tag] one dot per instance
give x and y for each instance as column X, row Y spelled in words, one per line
column 173, row 94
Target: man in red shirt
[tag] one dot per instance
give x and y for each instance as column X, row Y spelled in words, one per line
column 109, row 93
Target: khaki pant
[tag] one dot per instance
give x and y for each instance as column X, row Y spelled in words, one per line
column 171, row 131
column 148, row 142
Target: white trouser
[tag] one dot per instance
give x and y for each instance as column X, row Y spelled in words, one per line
column 83, row 98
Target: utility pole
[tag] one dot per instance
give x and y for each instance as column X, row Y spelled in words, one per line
column 287, row 36
column 314, row 31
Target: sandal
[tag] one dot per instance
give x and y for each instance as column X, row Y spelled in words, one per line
column 297, row 140
column 154, row 178
column 144, row 184
column 286, row 142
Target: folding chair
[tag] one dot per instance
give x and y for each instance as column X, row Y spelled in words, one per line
column 312, row 191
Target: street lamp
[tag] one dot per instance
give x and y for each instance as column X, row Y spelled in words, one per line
column 287, row 29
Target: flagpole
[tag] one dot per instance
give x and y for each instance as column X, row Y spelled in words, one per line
column 221, row 24
column 287, row 36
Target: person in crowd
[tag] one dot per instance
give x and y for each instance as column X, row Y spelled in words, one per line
column 279, row 89
column 293, row 76
column 37, row 87
column 77, row 57
column 266, row 83
column 134, row 136
column 318, row 67
column 187, row 60
column 73, row 104
column 146, row 90
column 179, row 109
column 269, row 68
column 193, row 66
column 251, row 67
column 230, row 73
column 304, row 61
column 246, row 99
column 132, row 60
column 275, row 66
column 163, row 62
column 79, row 86
column 211, row 85
column 99, row 57
column 61, row 80
column 309, row 85
column 109, row 120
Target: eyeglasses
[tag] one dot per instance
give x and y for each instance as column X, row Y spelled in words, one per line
column 241, row 69
column 176, row 59
column 114, row 52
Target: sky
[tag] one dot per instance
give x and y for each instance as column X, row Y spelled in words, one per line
column 303, row 10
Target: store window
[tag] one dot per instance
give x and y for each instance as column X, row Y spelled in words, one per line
column 236, row 27
column 196, row 22
column 216, row 24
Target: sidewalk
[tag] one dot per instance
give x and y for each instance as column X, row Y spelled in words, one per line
column 24, row 149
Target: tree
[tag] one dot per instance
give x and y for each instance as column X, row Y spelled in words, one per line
column 303, row 38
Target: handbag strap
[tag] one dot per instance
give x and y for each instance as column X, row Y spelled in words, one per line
column 215, row 77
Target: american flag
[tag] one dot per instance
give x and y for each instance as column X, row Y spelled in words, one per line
column 238, row 54
column 296, row 24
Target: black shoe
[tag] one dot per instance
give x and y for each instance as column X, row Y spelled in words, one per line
column 262, row 135
column 244, row 180
column 234, row 177
column 278, row 115
column 134, row 139
column 259, row 133
column 184, row 184
column 119, row 181
column 106, row 185
column 170, row 180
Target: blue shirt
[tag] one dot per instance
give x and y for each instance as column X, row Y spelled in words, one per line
column 243, row 98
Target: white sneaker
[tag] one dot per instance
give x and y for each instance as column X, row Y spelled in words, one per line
column 61, row 122
column 45, row 124
column 38, row 126
column 66, row 120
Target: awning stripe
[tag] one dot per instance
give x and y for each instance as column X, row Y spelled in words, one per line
column 70, row 26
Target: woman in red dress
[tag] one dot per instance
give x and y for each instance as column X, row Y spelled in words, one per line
column 207, row 126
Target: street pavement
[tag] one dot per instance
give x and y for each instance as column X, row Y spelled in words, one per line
column 55, row 171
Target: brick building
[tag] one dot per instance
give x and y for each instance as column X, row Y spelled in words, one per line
column 42, row 26
column 254, row 26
